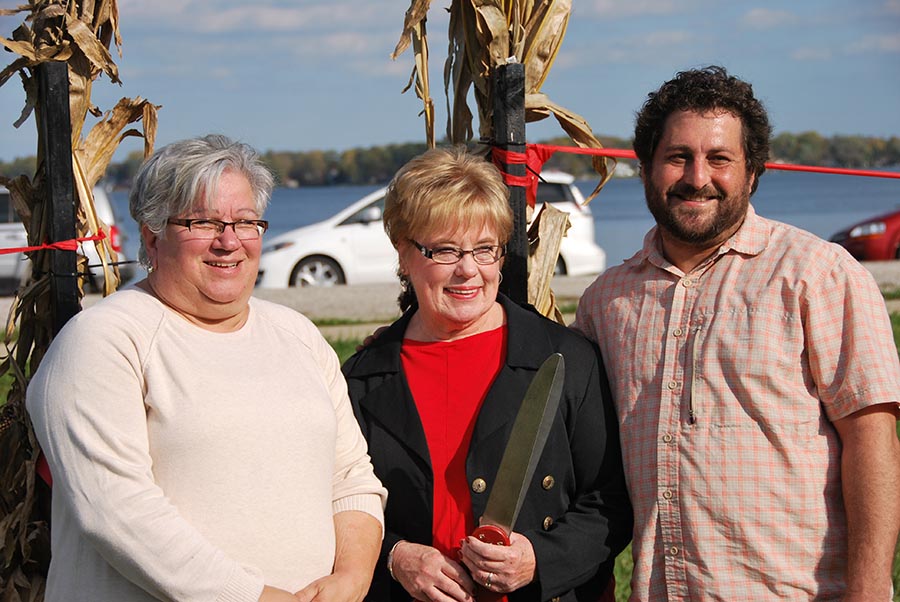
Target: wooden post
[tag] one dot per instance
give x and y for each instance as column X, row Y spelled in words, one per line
column 56, row 140
column 508, row 87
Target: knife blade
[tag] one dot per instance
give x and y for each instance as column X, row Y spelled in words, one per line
column 523, row 450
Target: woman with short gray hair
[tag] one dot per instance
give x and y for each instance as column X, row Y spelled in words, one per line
column 212, row 454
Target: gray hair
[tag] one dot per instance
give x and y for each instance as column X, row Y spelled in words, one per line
column 181, row 175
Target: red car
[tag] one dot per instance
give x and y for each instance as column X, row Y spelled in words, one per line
column 876, row 239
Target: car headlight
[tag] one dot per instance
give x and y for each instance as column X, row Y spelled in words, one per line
column 277, row 246
column 869, row 229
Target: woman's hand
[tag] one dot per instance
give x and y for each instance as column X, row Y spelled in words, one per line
column 500, row 568
column 338, row 587
column 357, row 543
column 429, row 576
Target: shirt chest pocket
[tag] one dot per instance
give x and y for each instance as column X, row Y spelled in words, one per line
column 747, row 368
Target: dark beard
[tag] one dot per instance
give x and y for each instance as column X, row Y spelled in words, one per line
column 680, row 225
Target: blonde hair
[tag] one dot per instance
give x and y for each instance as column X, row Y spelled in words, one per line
column 444, row 189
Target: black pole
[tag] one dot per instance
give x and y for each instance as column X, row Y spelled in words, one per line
column 56, row 135
column 509, row 134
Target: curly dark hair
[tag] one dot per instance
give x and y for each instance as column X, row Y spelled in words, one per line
column 702, row 90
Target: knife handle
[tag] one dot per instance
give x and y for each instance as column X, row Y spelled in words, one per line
column 491, row 534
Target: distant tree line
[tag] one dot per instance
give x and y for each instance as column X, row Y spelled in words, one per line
column 377, row 164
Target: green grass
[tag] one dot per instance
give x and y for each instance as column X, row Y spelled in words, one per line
column 895, row 324
column 567, row 307
column 6, row 382
column 345, row 347
column 622, row 573
column 348, row 322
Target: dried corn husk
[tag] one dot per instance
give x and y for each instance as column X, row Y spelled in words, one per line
column 484, row 34
column 548, row 229
column 78, row 32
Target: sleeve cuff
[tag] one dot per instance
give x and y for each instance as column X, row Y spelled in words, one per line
column 244, row 584
column 370, row 503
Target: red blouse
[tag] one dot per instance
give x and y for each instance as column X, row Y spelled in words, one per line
column 449, row 381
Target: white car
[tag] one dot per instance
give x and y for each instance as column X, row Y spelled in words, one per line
column 352, row 248
column 14, row 266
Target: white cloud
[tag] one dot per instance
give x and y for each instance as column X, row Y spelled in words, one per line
column 764, row 18
column 672, row 46
column 632, row 8
column 665, row 39
column 338, row 46
column 226, row 16
column 811, row 54
column 879, row 44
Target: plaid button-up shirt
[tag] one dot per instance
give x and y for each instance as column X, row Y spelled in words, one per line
column 726, row 381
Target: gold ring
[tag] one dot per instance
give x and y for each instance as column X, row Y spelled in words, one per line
column 487, row 584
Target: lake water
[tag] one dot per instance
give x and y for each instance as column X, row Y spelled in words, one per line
column 819, row 203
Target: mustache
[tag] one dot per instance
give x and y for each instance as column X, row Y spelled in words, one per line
column 691, row 193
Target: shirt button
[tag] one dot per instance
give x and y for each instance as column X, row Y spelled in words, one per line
column 687, row 282
column 671, row 385
column 548, row 521
column 667, row 438
column 479, row 485
column 667, row 494
column 673, row 551
column 678, row 331
column 548, row 482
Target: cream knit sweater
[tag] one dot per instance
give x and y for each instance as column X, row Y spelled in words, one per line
column 192, row 465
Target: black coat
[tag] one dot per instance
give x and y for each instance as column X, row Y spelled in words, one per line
column 576, row 512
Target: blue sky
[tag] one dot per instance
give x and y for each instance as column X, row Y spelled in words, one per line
column 302, row 75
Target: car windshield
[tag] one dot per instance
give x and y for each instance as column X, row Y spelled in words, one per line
column 548, row 192
column 8, row 214
column 370, row 213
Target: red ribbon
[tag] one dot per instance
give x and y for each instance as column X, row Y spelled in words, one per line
column 534, row 158
column 537, row 154
column 63, row 245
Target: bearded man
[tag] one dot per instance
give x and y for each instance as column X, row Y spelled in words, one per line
column 754, row 375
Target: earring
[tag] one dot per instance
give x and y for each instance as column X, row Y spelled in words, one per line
column 501, row 277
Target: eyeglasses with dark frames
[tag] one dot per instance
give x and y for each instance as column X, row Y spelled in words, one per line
column 484, row 255
column 244, row 229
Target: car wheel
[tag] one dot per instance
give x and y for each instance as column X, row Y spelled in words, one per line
column 560, row 269
column 317, row 270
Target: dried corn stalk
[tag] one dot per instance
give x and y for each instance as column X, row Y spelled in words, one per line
column 485, row 34
column 414, row 31
column 79, row 33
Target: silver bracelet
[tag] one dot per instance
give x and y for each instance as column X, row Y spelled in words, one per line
column 390, row 559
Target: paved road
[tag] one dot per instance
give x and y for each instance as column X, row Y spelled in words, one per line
column 377, row 304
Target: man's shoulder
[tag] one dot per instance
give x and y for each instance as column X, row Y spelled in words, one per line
column 808, row 249
column 626, row 275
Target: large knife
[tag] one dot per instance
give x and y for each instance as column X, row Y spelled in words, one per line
column 523, row 450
